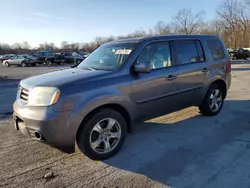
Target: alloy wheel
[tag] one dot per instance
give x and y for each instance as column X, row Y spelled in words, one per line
column 105, row 135
column 215, row 100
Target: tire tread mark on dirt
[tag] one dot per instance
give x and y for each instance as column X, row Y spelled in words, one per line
column 36, row 168
column 96, row 179
column 16, row 149
column 90, row 176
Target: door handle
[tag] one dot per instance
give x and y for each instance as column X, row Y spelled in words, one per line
column 171, row 77
column 205, row 70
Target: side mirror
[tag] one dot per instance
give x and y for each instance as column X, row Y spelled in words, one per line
column 142, row 68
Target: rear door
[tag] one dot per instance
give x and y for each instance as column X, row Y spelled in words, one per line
column 193, row 70
column 19, row 60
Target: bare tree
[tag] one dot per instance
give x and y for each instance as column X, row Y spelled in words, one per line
column 26, row 45
column 212, row 28
column 187, row 23
column 234, row 19
column 65, row 45
column 17, row 47
column 161, row 28
column 52, row 46
column 232, row 24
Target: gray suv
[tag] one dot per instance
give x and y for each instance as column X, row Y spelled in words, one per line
column 121, row 83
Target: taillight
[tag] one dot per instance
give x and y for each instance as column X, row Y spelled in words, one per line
column 229, row 68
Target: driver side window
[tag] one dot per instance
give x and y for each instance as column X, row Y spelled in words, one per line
column 156, row 54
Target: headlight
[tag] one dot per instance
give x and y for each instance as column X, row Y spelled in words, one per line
column 43, row 96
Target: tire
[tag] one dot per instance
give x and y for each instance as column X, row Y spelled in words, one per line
column 7, row 64
column 34, row 64
column 48, row 62
column 87, row 134
column 78, row 61
column 207, row 108
column 23, row 64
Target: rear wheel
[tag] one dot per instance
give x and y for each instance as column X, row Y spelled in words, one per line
column 213, row 102
column 102, row 135
column 48, row 62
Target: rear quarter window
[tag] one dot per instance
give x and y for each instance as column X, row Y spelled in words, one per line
column 216, row 49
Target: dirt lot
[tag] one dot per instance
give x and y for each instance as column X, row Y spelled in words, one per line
column 182, row 149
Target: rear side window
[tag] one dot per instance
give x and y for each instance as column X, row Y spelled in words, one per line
column 188, row 51
column 216, row 49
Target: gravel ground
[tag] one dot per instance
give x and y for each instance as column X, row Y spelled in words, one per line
column 182, row 149
column 15, row 72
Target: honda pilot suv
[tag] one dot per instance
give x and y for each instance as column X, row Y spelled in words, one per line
column 121, row 83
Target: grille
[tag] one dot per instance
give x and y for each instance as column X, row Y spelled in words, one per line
column 24, row 94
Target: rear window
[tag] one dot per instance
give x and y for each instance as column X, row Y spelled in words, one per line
column 216, row 49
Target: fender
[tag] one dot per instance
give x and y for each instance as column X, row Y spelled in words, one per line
column 213, row 76
column 86, row 106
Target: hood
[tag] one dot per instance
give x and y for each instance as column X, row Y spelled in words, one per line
column 61, row 77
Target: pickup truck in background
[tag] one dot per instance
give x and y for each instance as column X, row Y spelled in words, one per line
column 240, row 54
column 64, row 57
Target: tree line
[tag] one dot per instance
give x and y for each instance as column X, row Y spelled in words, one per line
column 232, row 24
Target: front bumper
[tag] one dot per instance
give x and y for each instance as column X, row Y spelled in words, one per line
column 57, row 129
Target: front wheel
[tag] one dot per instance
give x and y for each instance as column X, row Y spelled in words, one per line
column 213, row 102
column 7, row 64
column 23, row 64
column 102, row 135
column 78, row 61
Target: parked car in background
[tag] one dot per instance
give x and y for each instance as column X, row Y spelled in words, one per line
column 20, row 60
column 32, row 58
column 5, row 57
column 42, row 56
column 64, row 57
column 240, row 54
column 84, row 54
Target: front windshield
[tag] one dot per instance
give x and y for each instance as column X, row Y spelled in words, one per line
column 108, row 56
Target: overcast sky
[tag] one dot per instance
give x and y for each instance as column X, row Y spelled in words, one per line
column 39, row 21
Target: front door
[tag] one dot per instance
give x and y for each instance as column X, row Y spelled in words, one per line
column 14, row 60
column 154, row 92
column 193, row 71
